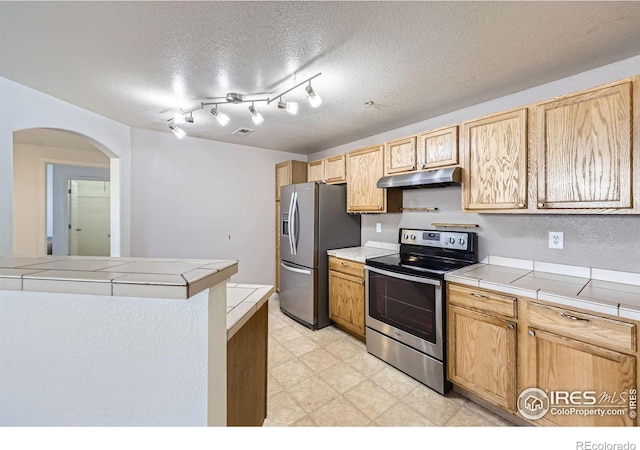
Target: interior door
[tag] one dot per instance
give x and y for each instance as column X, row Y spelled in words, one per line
column 90, row 210
column 74, row 228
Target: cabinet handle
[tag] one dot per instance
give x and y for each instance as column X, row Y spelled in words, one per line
column 521, row 205
column 532, row 333
column 362, row 282
column 540, row 205
column 380, row 207
column 345, row 264
column 511, row 326
column 474, row 294
column 571, row 317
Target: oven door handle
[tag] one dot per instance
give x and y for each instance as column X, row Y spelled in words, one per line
column 403, row 276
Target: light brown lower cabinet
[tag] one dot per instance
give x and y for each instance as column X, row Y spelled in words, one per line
column 580, row 373
column 347, row 296
column 247, row 372
column 586, row 364
column 482, row 344
column 483, row 356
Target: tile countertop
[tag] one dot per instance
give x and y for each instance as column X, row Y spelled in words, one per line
column 602, row 291
column 371, row 249
column 126, row 277
column 243, row 301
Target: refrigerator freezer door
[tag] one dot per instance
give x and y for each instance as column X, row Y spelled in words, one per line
column 297, row 292
column 286, row 202
column 305, row 223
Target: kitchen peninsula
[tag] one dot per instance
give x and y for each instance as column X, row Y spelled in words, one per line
column 113, row 341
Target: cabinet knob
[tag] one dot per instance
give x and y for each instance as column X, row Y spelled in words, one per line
column 532, row 333
column 413, row 167
column 380, row 207
column 540, row 205
column 511, row 326
column 521, row 205
column 424, row 166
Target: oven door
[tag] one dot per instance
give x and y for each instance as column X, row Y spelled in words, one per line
column 406, row 308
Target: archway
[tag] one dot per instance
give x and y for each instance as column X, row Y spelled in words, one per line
column 34, row 151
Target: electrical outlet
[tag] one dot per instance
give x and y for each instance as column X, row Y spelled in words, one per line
column 556, row 240
column 378, row 228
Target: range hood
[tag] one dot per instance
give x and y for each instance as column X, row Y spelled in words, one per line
column 448, row 176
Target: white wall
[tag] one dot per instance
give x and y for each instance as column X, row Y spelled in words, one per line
column 88, row 360
column 23, row 108
column 195, row 198
column 605, row 241
column 29, row 195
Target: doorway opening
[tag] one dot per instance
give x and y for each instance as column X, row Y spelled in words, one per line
column 89, row 202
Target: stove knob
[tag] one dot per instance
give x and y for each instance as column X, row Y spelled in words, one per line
column 406, row 236
column 461, row 241
column 452, row 241
column 413, row 236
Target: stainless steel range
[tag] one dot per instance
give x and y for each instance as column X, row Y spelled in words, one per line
column 406, row 304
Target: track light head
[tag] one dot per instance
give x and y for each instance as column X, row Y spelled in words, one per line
column 314, row 99
column 255, row 115
column 222, row 118
column 290, row 107
column 179, row 132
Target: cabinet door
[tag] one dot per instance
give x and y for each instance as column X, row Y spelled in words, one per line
column 495, row 154
column 283, row 176
column 346, row 301
column 364, row 169
column 482, row 355
column 438, row 148
column 584, row 150
column 557, row 363
column 335, row 170
column 400, row 156
column 315, row 171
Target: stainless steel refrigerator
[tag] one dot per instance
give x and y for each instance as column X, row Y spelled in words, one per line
column 313, row 219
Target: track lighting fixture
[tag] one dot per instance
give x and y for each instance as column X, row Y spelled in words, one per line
column 290, row 107
column 235, row 98
column 314, row 99
column 255, row 115
column 221, row 117
column 179, row 132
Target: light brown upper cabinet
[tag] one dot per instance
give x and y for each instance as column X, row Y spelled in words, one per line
column 583, row 149
column 400, row 156
column 364, row 168
column 290, row 172
column 438, row 148
column 335, row 170
column 331, row 170
column 315, row 170
column 495, row 162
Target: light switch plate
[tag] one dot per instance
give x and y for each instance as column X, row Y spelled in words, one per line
column 556, row 240
column 378, row 228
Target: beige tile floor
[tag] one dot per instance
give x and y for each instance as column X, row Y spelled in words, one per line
column 327, row 378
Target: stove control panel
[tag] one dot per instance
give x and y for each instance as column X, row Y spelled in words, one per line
column 432, row 238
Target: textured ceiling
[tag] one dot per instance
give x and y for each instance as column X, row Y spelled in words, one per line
column 137, row 62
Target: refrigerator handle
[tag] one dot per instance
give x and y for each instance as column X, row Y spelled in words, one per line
column 289, row 223
column 294, row 223
column 293, row 269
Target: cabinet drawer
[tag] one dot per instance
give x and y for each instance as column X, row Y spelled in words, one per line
column 582, row 326
column 481, row 300
column 345, row 266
